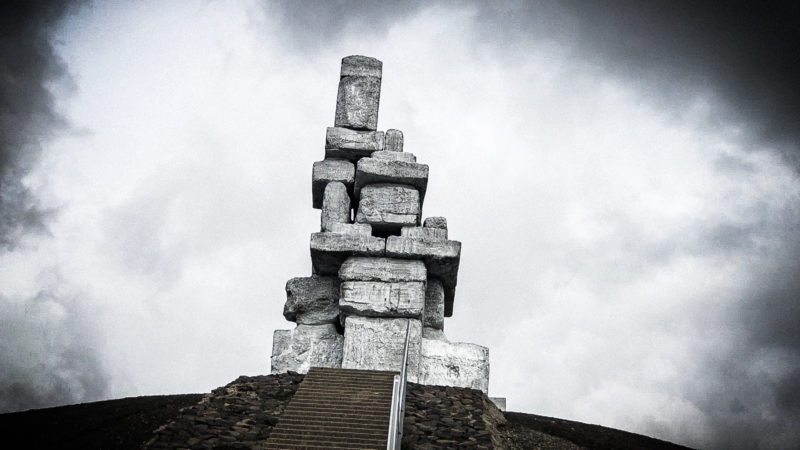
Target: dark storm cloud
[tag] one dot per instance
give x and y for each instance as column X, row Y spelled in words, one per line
column 27, row 63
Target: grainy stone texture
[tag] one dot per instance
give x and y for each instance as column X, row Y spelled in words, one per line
column 335, row 206
column 240, row 415
column 350, row 144
column 327, row 171
column 500, row 402
column 380, row 299
column 312, row 300
column 435, row 222
column 434, row 333
column 394, row 140
column 454, row 364
column 388, row 206
column 358, row 268
column 394, row 156
column 363, row 229
column 374, row 343
column 358, row 65
column 433, row 316
column 357, row 102
column 441, row 259
column 329, row 250
column 373, row 170
column 425, row 233
column 305, row 346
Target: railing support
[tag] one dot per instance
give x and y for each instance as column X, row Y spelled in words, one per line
column 398, row 411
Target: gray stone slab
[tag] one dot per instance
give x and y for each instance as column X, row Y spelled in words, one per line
column 327, row 171
column 441, row 258
column 435, row 222
column 456, row 364
column 335, row 205
column 357, row 65
column 394, row 156
column 380, row 299
column 344, row 143
column 306, row 346
column 374, row 170
column 394, row 140
column 425, row 233
column 357, row 102
column 312, row 300
column 388, row 207
column 374, row 343
column 359, row 268
column 330, row 250
column 433, row 316
column 363, row 229
column 433, row 333
column 500, row 402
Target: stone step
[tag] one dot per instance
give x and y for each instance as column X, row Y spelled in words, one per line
column 306, row 433
column 337, row 421
column 280, row 443
column 367, row 427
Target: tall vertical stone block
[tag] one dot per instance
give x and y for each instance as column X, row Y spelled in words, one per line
column 306, row 346
column 327, row 171
column 372, row 343
column 335, row 206
column 394, row 140
column 359, row 94
column 433, row 316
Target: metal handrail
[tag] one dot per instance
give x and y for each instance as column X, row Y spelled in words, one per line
column 398, row 410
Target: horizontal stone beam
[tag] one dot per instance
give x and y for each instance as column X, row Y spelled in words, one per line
column 380, row 299
column 344, row 143
column 388, row 207
column 359, row 268
column 394, row 156
column 374, row 170
column 424, row 233
column 456, row 364
column 329, row 250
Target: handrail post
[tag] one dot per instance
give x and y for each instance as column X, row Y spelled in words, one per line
column 398, row 411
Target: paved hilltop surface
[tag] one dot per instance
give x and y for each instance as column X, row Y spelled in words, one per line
column 242, row 415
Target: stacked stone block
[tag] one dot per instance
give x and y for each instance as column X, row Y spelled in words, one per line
column 378, row 269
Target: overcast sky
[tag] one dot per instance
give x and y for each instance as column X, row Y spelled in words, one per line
column 624, row 180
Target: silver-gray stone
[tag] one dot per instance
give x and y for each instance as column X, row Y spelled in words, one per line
column 433, row 316
column 374, row 170
column 363, row 229
column 394, row 140
column 388, row 207
column 359, row 268
column 328, row 171
column 329, row 250
column 456, row 364
column 373, row 343
column 394, row 156
column 441, row 259
column 335, row 206
column 350, row 144
column 435, row 222
column 312, row 300
column 357, row 65
column 306, row 346
column 425, row 233
column 357, row 102
column 433, row 333
column 379, row 299
column 500, row 402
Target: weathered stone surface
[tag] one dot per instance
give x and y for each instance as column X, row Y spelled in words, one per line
column 374, row 343
column 350, row 144
column 357, row 102
column 441, row 259
column 364, row 229
column 312, row 300
column 433, row 316
column 379, row 299
column 335, row 206
column 434, row 234
column 305, row 346
column 374, row 170
column 454, row 364
column 394, row 156
column 388, row 207
column 364, row 66
column 359, row 268
column 327, row 171
column 394, row 140
column 435, row 222
column 500, row 402
column 434, row 333
column 329, row 250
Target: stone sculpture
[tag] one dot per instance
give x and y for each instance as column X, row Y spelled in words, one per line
column 377, row 267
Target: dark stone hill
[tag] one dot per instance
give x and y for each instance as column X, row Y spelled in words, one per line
column 243, row 413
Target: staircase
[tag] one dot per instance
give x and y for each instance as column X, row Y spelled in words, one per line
column 336, row 408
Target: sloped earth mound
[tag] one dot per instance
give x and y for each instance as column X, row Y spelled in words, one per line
column 243, row 413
